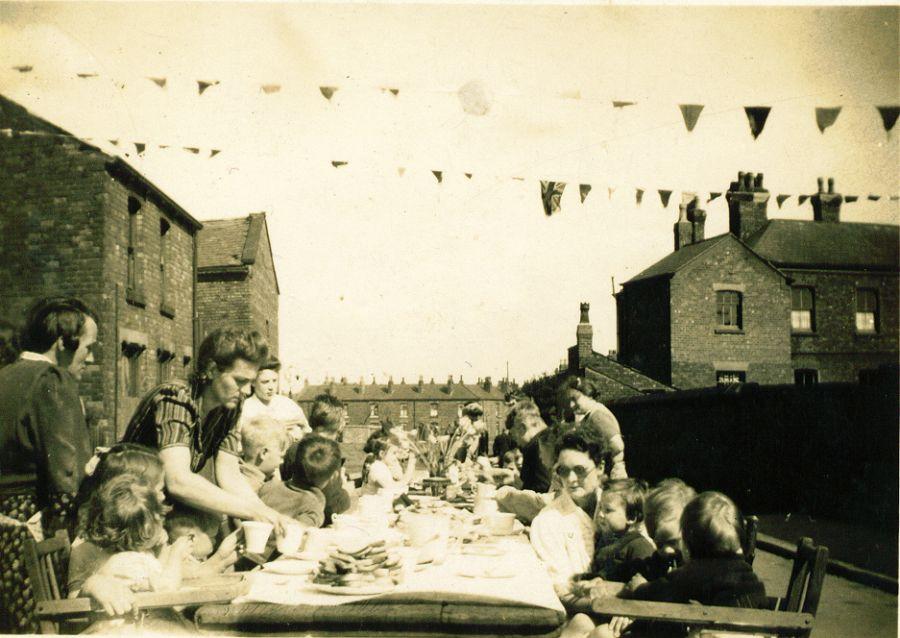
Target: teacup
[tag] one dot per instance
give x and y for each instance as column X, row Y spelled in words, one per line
column 317, row 541
column 289, row 542
column 501, row 523
column 256, row 534
column 422, row 528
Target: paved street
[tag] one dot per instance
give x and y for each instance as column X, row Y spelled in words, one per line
column 847, row 609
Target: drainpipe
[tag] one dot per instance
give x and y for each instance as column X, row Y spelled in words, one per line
column 195, row 316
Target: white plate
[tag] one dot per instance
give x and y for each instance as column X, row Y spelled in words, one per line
column 290, row 567
column 357, row 590
column 476, row 550
column 470, row 571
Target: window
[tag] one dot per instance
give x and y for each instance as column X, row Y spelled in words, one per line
column 404, row 412
column 131, row 368
column 866, row 310
column 164, row 306
column 434, row 410
column 164, row 364
column 727, row 377
column 134, row 209
column 373, row 410
column 728, row 310
column 802, row 313
column 806, row 376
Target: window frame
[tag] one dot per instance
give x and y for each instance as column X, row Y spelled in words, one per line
column 873, row 311
column 741, row 375
column 736, row 309
column 795, row 329
column 134, row 293
column 806, row 376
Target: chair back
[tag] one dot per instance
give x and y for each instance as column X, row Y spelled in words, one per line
column 751, row 527
column 47, row 563
column 807, row 578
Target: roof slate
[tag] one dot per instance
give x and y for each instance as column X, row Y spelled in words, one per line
column 676, row 260
column 221, row 242
column 624, row 374
column 840, row 245
column 402, row 392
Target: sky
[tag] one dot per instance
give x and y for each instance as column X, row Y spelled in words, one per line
column 383, row 274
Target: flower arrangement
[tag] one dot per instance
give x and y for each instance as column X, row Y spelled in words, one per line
column 438, row 452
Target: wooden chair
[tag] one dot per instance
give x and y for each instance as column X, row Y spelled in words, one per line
column 792, row 615
column 751, row 528
column 47, row 565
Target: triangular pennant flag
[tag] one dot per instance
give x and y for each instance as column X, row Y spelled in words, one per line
column 114, row 142
column 639, row 195
column 338, row 163
column 438, row 175
column 781, row 199
column 140, row 147
column 874, row 198
column 270, row 88
column 690, row 113
column 851, row 198
column 894, row 198
column 801, row 199
column 192, row 149
column 202, row 86
column 86, row 75
column 888, row 116
column 395, row 92
column 664, row 196
column 757, row 116
column 618, row 104
column 713, row 196
column 23, row 68
column 609, row 191
column 468, row 175
column 583, row 190
column 160, row 82
column 213, row 152
column 551, row 192
column 328, row 91
column 400, row 171
column 825, row 117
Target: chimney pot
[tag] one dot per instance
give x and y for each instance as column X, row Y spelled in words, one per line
column 831, row 185
column 759, row 180
column 827, row 205
column 821, row 182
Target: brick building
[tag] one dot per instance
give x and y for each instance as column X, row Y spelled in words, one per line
column 236, row 281
column 614, row 379
column 771, row 301
column 76, row 221
column 409, row 404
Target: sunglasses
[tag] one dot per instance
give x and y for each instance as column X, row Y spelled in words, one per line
column 580, row 471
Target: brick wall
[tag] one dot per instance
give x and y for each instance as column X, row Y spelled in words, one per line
column 644, row 334
column 762, row 347
column 51, row 225
column 264, row 293
column 163, row 332
column 835, row 348
column 223, row 302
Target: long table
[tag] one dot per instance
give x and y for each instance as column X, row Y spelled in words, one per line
column 435, row 601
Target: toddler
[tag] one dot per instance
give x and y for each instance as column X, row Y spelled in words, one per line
column 662, row 517
column 315, row 463
column 620, row 516
column 263, row 446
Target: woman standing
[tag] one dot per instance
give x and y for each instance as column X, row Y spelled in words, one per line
column 195, row 428
column 581, row 396
column 266, row 400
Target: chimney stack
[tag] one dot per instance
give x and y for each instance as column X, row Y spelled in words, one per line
column 343, row 380
column 684, row 230
column 747, row 203
column 421, row 383
column 390, row 384
column 584, row 336
column 827, row 205
column 487, row 384
column 698, row 223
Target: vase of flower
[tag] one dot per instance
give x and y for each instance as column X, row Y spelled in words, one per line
column 437, row 485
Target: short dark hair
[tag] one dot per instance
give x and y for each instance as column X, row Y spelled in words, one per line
column 631, row 492
column 523, row 407
column 712, row 527
column 585, row 439
column 224, row 346
column 182, row 516
column 327, row 413
column 125, row 515
column 50, row 318
column 315, row 461
column 272, row 363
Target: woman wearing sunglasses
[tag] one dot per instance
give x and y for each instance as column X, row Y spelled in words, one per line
column 562, row 534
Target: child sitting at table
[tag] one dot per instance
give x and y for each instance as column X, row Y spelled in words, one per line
column 316, row 462
column 379, row 478
column 263, row 446
column 125, row 520
column 619, row 521
column 200, row 528
column 714, row 573
column 662, row 518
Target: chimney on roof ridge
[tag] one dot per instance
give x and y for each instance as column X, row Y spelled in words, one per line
column 390, row 384
column 487, row 384
column 697, row 217
column 683, row 229
column 421, row 383
column 747, row 204
column 584, row 337
column 343, row 380
column 450, row 381
column 461, row 382
column 402, row 380
column 827, row 205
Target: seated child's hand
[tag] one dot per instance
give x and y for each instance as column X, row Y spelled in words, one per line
column 584, row 587
column 618, row 624
column 636, row 581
